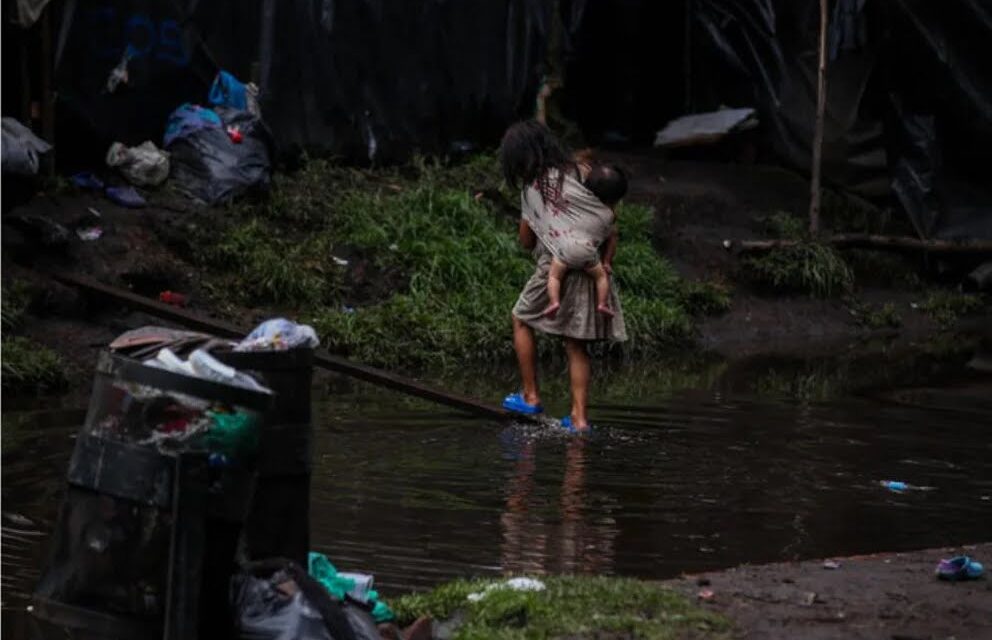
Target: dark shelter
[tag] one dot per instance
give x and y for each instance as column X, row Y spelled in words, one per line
column 909, row 109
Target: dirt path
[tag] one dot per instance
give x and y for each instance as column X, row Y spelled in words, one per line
column 891, row 596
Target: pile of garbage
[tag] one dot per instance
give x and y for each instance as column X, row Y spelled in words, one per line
column 211, row 153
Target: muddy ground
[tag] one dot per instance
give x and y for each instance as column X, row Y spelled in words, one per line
column 697, row 205
column 890, row 596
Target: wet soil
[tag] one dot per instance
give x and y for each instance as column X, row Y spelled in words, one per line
column 889, row 595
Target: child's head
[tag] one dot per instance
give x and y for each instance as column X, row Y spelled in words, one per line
column 608, row 183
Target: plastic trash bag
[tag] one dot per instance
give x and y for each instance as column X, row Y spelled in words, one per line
column 143, row 165
column 361, row 622
column 275, row 609
column 21, row 149
column 187, row 119
column 279, row 334
column 276, row 599
column 228, row 91
column 208, row 166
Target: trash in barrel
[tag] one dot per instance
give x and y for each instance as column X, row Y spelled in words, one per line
column 160, row 483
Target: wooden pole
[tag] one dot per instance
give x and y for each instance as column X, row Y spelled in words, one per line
column 871, row 241
column 821, row 107
column 47, row 92
column 321, row 358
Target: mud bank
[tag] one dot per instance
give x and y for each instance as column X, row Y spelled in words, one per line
column 887, row 595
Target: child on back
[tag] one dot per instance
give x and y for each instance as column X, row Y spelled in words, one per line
column 579, row 247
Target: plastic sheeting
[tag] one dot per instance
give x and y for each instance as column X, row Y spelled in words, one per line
column 909, row 96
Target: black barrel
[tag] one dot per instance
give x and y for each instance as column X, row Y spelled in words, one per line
column 279, row 522
column 146, row 537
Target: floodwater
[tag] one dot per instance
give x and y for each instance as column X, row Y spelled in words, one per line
column 693, row 466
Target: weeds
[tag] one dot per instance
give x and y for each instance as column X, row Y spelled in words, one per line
column 573, row 607
column 457, row 264
column 28, row 366
column 945, row 307
column 807, row 266
column 885, row 316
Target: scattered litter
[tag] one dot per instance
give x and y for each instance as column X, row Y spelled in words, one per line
column 895, row 485
column 228, row 91
column 201, row 364
column 279, row 334
column 347, row 309
column 705, row 128
column 341, row 262
column 125, row 197
column 88, row 181
column 706, row 595
column 513, row 584
column 143, row 165
column 341, row 584
column 830, row 564
column 809, row 598
column 959, row 568
column 173, row 298
column 119, row 75
column 235, row 135
column 20, row 149
column 89, row 234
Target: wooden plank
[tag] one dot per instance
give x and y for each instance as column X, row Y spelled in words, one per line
column 321, row 357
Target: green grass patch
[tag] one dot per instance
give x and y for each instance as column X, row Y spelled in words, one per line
column 884, row 316
column 30, row 367
column 15, row 297
column 442, row 236
column 945, row 307
column 570, row 607
column 805, row 267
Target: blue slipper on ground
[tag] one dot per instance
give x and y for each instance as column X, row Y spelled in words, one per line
column 959, row 568
column 515, row 402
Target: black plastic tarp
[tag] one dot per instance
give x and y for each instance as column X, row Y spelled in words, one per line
column 909, row 96
column 377, row 79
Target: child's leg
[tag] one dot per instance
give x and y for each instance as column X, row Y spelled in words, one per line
column 602, row 278
column 556, row 272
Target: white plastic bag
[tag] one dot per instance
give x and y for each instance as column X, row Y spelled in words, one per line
column 144, row 165
column 21, row 148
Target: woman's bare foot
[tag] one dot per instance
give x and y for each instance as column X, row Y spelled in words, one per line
column 605, row 310
column 552, row 310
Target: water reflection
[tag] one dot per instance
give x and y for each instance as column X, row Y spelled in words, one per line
column 577, row 541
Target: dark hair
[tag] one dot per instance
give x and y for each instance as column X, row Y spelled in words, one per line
column 607, row 182
column 528, row 151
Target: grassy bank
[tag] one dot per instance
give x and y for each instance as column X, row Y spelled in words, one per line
column 27, row 366
column 569, row 607
column 419, row 265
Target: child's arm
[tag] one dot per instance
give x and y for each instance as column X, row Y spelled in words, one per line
column 610, row 250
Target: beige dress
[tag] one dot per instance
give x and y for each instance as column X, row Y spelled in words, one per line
column 577, row 318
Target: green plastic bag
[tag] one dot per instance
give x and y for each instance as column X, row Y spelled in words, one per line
column 321, row 570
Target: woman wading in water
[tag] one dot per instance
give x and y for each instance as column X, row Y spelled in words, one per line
column 551, row 185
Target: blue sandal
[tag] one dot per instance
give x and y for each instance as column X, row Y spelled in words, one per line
column 566, row 424
column 515, row 402
column 959, row 568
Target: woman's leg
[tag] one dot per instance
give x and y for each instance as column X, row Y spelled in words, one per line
column 524, row 345
column 556, row 272
column 579, row 372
